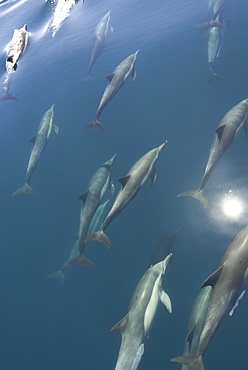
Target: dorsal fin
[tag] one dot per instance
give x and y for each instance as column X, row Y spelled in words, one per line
column 83, row 196
column 212, row 279
column 33, row 138
column 220, row 131
column 110, row 77
column 120, row 326
column 124, row 180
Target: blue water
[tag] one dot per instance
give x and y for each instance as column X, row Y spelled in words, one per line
column 47, row 325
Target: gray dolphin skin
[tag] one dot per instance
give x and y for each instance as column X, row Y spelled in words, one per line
column 218, row 8
column 214, row 45
column 227, row 284
column 99, row 41
column 17, row 47
column 135, row 326
column 230, row 124
column 196, row 322
column 98, row 185
column 136, row 177
column 39, row 141
column 115, row 82
column 96, row 221
column 164, row 247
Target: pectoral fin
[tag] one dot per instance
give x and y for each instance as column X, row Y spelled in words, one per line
column 153, row 176
column 134, row 74
column 237, row 303
column 165, row 299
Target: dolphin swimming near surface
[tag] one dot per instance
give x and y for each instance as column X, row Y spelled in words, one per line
column 224, row 136
column 214, row 45
column 196, row 322
column 135, row 326
column 96, row 221
column 131, row 185
column 99, row 41
column 98, row 185
column 115, row 82
column 227, row 284
column 39, row 141
column 17, row 47
column 218, row 9
column 164, row 247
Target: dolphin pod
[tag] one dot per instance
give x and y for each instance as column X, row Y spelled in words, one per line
column 135, row 326
column 115, row 82
column 136, row 177
column 227, row 284
column 225, row 133
column 39, row 141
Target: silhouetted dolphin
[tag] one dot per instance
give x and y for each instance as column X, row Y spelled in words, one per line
column 227, row 285
column 99, row 41
column 224, row 136
column 39, row 141
column 131, row 185
column 135, row 326
column 116, row 80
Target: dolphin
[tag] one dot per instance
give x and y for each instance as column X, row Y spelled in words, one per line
column 131, row 185
column 99, row 41
column 230, row 124
column 196, row 322
column 218, row 8
column 17, row 47
column 98, row 185
column 115, row 82
column 227, row 284
column 214, row 45
column 96, row 220
column 135, row 326
column 39, row 144
column 96, row 190
column 61, row 12
column 164, row 247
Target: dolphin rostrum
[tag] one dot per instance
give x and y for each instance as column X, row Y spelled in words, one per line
column 131, row 185
column 98, row 185
column 115, row 82
column 224, row 136
column 17, row 47
column 227, row 284
column 99, row 41
column 196, row 322
column 39, row 144
column 135, row 326
column 164, row 247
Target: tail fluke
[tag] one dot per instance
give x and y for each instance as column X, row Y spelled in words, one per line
column 211, row 24
column 24, row 189
column 100, row 237
column 8, row 96
column 214, row 77
column 94, row 124
column 87, row 78
column 57, row 275
column 197, row 194
column 84, row 261
column 194, row 363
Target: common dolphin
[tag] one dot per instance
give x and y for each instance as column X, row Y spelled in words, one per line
column 164, row 247
column 61, row 12
column 227, row 284
column 96, row 221
column 135, row 326
column 17, row 47
column 39, row 141
column 115, row 82
column 224, row 135
column 99, row 41
column 214, row 45
column 218, row 8
column 196, row 322
column 98, row 185
column 131, row 185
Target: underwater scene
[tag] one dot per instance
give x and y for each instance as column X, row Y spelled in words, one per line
column 124, row 220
